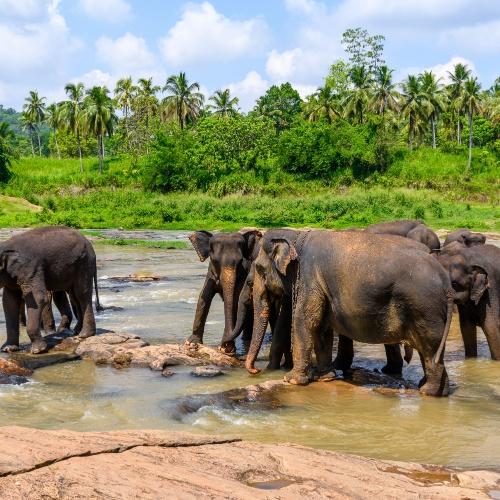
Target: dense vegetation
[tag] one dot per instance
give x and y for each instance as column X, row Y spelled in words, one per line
column 360, row 149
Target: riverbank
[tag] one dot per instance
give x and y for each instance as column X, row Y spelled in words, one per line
column 63, row 464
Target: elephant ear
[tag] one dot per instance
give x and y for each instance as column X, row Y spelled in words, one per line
column 479, row 283
column 6, row 257
column 252, row 237
column 201, row 243
column 474, row 239
column 283, row 253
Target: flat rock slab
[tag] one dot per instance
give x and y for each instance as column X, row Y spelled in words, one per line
column 207, row 372
column 62, row 464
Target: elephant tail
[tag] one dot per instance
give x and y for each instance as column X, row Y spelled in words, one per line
column 450, row 295
column 98, row 306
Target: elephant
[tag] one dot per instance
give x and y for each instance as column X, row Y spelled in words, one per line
column 364, row 286
column 52, row 258
column 466, row 237
column 413, row 229
column 230, row 256
column 475, row 276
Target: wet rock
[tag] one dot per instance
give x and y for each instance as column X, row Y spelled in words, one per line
column 136, row 278
column 103, row 348
column 207, row 371
column 13, row 367
column 36, row 361
column 167, row 373
column 63, row 464
column 121, row 360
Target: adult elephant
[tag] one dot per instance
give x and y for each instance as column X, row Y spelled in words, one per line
column 230, row 256
column 475, row 276
column 53, row 258
column 466, row 237
column 413, row 229
column 365, row 287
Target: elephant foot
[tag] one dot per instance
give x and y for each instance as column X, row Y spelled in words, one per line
column 229, row 349
column 38, row 346
column 9, row 347
column 326, row 377
column 296, row 378
column 341, row 364
column 85, row 335
column 51, row 331
column 193, row 341
column 272, row 365
column 435, row 390
column 392, row 370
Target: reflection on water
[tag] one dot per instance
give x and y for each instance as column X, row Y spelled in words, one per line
column 461, row 430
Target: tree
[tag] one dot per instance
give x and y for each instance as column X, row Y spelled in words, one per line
column 99, row 117
column 6, row 151
column 281, row 104
column 412, row 105
column 460, row 74
column 72, row 113
column 184, row 99
column 125, row 92
column 54, row 119
column 364, row 50
column 323, row 104
column 471, row 103
column 385, row 96
column 359, row 96
column 34, row 108
column 28, row 125
column 338, row 78
column 223, row 103
column 433, row 100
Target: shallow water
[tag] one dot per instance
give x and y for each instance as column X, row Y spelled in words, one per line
column 462, row 430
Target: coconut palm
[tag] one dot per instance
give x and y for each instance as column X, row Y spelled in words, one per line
column 384, row 94
column 35, row 108
column 54, row 119
column 184, row 98
column 433, row 100
column 145, row 101
column 99, row 117
column 72, row 113
column 28, row 125
column 125, row 92
column 359, row 96
column 223, row 104
column 412, row 106
column 458, row 78
column 324, row 103
column 471, row 103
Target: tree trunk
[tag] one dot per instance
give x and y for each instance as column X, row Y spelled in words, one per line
column 79, row 151
column 32, row 145
column 459, row 138
column 39, row 143
column 57, row 144
column 469, row 160
column 99, row 142
column 433, row 125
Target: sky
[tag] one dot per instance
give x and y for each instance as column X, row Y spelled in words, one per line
column 242, row 45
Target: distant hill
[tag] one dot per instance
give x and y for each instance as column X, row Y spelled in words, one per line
column 12, row 117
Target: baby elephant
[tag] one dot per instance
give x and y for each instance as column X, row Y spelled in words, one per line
column 54, row 258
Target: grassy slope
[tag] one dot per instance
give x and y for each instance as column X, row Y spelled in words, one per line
column 426, row 184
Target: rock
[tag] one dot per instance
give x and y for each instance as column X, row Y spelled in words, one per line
column 136, row 278
column 103, row 348
column 36, row 361
column 167, row 373
column 13, row 367
column 207, row 371
column 63, row 464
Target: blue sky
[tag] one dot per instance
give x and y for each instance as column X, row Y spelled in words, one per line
column 244, row 45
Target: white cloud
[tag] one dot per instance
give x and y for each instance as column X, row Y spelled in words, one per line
column 282, row 65
column 441, row 70
column 301, row 6
column 204, row 35
column 24, row 9
column 113, row 11
column 97, row 77
column 128, row 54
column 249, row 89
column 479, row 38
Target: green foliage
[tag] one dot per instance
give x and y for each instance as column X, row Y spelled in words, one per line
column 68, row 144
column 364, row 50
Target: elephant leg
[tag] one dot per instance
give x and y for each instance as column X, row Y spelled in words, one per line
column 62, row 304
column 202, row 307
column 345, row 354
column 78, row 313
column 248, row 326
column 48, row 322
column 12, row 301
column 281, row 334
column 35, row 302
column 83, row 296
column 491, row 330
column 323, row 347
column 435, row 381
column 468, row 331
column 22, row 312
column 394, row 365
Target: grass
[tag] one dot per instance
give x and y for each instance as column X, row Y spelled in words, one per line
column 424, row 184
column 166, row 245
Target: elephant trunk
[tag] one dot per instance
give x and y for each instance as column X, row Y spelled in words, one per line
column 228, row 282
column 261, row 318
column 244, row 302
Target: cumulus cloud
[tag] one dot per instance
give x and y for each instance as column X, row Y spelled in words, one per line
column 113, row 11
column 205, row 35
column 442, row 70
column 126, row 54
column 24, row 9
column 249, row 89
column 479, row 38
column 301, row 6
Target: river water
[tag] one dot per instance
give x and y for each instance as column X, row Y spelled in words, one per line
column 462, row 430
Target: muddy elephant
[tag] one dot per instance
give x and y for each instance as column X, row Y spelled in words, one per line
column 367, row 288
column 54, row 258
column 475, row 276
column 413, row 229
column 466, row 237
column 230, row 256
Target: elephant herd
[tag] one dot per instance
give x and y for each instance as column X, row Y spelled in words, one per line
column 391, row 284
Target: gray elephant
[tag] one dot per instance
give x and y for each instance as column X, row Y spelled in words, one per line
column 413, row 229
column 466, row 237
column 475, row 276
column 54, row 258
column 230, row 256
column 366, row 287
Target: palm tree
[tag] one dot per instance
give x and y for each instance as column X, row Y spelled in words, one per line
column 433, row 100
column 125, row 91
column 72, row 113
column 54, row 119
column 28, row 125
column 324, row 103
column 34, row 107
column 412, row 105
column 385, row 96
column 99, row 117
column 185, row 98
column 223, row 104
column 145, row 99
column 460, row 74
column 471, row 103
column 359, row 96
